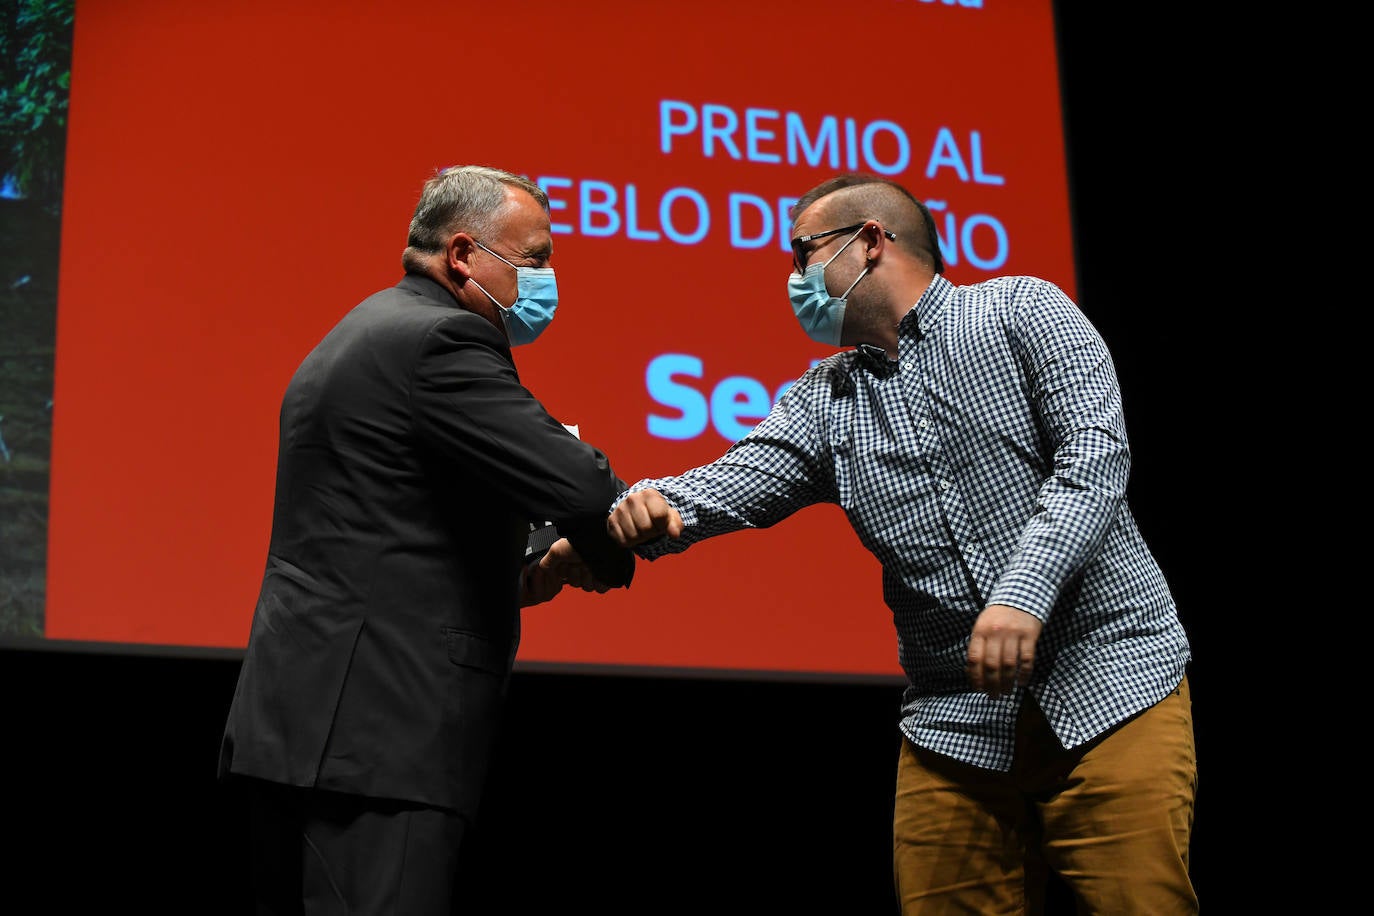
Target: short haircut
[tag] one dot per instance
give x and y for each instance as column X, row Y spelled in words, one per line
column 862, row 196
column 462, row 198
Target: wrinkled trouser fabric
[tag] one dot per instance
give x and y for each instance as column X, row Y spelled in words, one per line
column 1112, row 818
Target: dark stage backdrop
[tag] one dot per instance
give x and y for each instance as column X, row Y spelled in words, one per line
column 637, row 791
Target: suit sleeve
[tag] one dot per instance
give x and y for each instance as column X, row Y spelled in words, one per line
column 469, row 405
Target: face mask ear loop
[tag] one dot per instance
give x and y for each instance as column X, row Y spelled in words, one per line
column 867, row 265
column 503, row 261
column 862, row 274
column 493, row 254
column 487, row 294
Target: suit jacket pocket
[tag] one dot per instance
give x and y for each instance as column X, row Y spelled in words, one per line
column 495, row 656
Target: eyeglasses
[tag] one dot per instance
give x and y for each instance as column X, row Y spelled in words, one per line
column 799, row 255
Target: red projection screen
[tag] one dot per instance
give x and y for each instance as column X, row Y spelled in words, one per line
column 240, row 175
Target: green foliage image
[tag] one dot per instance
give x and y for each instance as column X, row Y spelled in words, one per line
column 35, row 82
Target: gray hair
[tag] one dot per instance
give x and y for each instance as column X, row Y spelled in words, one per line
column 462, row 198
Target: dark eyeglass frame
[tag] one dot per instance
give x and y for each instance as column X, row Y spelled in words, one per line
column 799, row 256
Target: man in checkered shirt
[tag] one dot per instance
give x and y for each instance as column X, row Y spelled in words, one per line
column 974, row 438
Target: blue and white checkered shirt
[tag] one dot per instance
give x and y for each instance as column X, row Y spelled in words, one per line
column 986, row 465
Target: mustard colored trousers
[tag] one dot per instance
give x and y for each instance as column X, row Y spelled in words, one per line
column 1112, row 818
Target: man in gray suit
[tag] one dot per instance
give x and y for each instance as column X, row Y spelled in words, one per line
column 411, row 466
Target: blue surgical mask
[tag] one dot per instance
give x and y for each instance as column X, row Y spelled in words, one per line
column 821, row 314
column 536, row 299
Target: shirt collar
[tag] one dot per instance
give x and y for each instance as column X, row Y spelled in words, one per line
column 923, row 314
column 872, row 358
column 915, row 323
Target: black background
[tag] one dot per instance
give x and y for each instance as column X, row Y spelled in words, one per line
column 635, row 794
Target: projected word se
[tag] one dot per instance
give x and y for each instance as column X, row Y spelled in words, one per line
column 736, row 403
